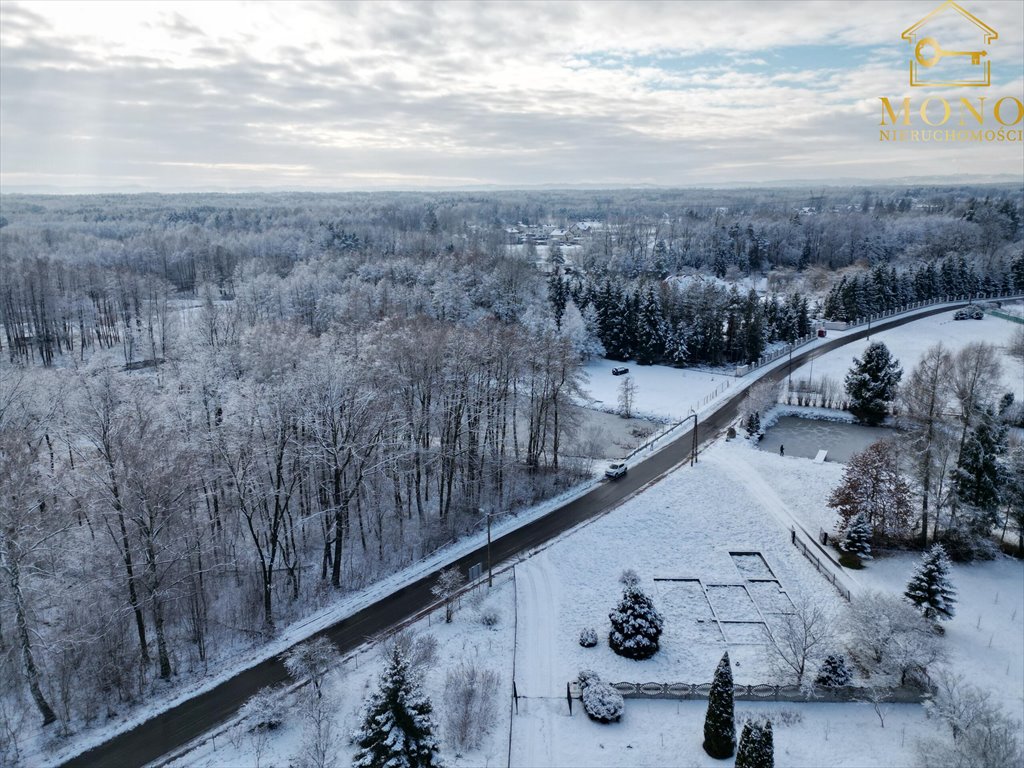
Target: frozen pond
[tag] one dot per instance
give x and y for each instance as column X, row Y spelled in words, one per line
column 805, row 437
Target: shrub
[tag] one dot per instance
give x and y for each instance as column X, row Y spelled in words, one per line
column 265, row 710
column 601, row 702
column 489, row 616
column 588, row 637
column 833, row 672
column 965, row 544
column 781, row 716
column 471, row 704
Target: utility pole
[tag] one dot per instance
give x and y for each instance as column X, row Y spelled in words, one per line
column 693, row 450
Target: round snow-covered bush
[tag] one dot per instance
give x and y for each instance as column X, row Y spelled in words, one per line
column 588, row 637
column 601, row 702
column 489, row 616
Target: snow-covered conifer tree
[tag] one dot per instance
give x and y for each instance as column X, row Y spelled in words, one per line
column 872, row 382
column 636, row 625
column 720, row 723
column 833, row 671
column 397, row 729
column 857, row 541
column 756, row 748
column 929, row 588
column 753, row 424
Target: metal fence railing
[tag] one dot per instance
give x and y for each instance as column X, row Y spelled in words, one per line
column 765, row 692
column 743, row 370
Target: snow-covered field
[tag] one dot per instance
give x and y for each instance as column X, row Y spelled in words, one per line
column 662, row 392
column 909, row 342
column 691, row 525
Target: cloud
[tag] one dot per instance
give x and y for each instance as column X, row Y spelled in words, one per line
column 321, row 94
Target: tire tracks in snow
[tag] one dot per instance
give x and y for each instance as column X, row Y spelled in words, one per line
column 538, row 603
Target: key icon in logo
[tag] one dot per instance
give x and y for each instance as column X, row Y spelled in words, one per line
column 938, row 53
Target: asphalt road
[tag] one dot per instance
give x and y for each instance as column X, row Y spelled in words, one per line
column 189, row 720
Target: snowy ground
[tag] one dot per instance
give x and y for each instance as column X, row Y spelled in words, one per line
column 661, row 391
column 690, row 525
column 909, row 342
column 984, row 638
column 351, row 682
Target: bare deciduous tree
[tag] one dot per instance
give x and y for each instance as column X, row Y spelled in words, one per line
column 802, row 638
column 924, row 401
column 447, row 585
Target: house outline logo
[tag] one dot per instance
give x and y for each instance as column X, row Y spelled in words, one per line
column 927, row 52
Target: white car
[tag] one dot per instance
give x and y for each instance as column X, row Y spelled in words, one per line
column 615, row 470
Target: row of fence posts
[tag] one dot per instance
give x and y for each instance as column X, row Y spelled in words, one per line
column 773, row 356
column 818, row 565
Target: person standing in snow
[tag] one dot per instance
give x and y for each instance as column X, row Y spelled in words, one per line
column 782, row 450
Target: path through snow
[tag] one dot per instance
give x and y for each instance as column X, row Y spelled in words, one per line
column 537, row 680
column 736, row 466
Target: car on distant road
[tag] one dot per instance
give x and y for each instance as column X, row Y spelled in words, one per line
column 615, row 471
column 970, row 312
column 619, row 370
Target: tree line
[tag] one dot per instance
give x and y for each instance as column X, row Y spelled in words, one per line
column 154, row 522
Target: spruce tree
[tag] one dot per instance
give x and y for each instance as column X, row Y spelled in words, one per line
column 636, row 625
column 929, row 588
column 397, row 729
column 676, row 349
column 976, row 478
column 872, row 382
column 650, row 330
column 720, row 723
column 757, row 748
column 753, row 424
column 833, row 672
column 856, row 543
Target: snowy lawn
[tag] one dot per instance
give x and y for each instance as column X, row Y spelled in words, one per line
column 661, row 391
column 669, row 733
column 909, row 342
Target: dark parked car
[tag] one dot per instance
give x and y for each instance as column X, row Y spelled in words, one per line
column 970, row 312
column 619, row 370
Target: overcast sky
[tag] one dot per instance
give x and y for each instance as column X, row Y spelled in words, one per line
column 218, row 95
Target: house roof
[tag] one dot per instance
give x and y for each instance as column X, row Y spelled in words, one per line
column 990, row 34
